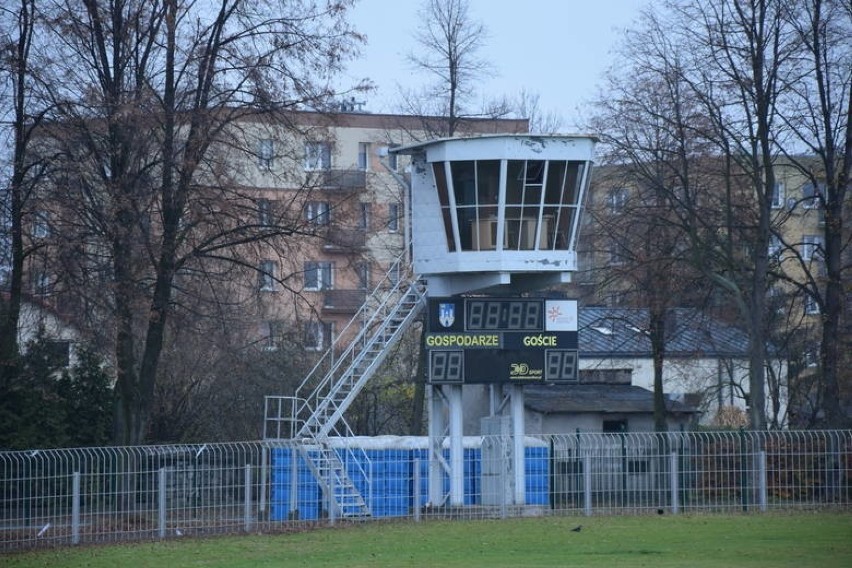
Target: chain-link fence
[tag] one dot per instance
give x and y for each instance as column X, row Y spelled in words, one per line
column 115, row 494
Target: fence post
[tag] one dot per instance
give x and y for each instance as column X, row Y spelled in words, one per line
column 294, row 482
column 503, row 511
column 247, row 500
column 416, row 490
column 623, row 467
column 161, row 502
column 673, row 481
column 75, row 508
column 762, row 482
column 744, row 485
column 332, row 498
column 587, row 484
column 264, row 473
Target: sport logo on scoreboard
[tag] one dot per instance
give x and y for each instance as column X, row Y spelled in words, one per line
column 446, row 314
column 561, row 315
column 522, row 371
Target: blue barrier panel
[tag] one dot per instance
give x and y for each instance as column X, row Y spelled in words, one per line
column 309, row 497
column 391, row 472
column 537, row 475
column 472, row 474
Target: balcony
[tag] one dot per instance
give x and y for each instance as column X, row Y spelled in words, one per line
column 343, row 301
column 342, row 180
column 344, row 241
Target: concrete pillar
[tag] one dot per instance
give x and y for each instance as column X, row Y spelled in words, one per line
column 437, row 426
column 456, row 445
column 518, row 433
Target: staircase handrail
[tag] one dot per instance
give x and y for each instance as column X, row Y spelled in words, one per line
column 336, row 377
column 370, row 313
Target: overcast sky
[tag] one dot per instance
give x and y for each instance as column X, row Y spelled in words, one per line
column 558, row 49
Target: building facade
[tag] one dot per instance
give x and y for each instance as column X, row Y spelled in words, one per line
column 618, row 267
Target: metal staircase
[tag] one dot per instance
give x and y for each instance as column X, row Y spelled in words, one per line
column 316, row 412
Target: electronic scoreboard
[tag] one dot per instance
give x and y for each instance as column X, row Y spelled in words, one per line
column 501, row 340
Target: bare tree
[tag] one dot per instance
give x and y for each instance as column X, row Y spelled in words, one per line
column 160, row 96
column 21, row 113
column 818, row 113
column 527, row 105
column 450, row 41
column 762, row 80
column 643, row 125
column 739, row 57
column 729, row 59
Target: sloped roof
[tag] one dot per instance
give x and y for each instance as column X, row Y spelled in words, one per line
column 623, row 332
column 595, row 398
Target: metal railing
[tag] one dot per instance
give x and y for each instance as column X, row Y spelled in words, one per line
column 118, row 494
column 336, row 370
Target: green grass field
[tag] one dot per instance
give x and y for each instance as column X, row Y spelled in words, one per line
column 798, row 540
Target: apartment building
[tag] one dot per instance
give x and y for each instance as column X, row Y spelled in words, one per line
column 322, row 191
column 350, row 193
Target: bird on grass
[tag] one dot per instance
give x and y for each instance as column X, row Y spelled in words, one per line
column 578, row 528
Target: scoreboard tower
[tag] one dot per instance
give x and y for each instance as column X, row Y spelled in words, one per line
column 494, row 221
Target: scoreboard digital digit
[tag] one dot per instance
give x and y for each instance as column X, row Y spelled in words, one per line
column 501, row 340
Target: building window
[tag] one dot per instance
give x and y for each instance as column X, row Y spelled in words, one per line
column 363, row 156
column 318, row 335
column 42, row 283
column 317, row 156
column 775, row 246
column 274, row 335
column 266, row 276
column 811, row 305
column 317, row 212
column 393, row 159
column 363, row 269
column 616, row 253
column 811, row 195
column 778, row 195
column 393, row 217
column 264, row 212
column 265, row 153
column 616, row 200
column 364, row 219
column 318, row 275
column 812, row 247
column 394, row 274
column 810, row 356
column 41, row 225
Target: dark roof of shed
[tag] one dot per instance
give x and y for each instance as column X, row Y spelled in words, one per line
column 623, row 332
column 611, row 399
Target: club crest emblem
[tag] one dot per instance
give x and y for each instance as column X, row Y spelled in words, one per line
column 446, row 314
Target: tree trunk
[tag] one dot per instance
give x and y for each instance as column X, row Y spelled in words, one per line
column 10, row 309
column 657, row 330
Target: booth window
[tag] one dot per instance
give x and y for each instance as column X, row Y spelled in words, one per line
column 444, row 200
column 539, row 209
